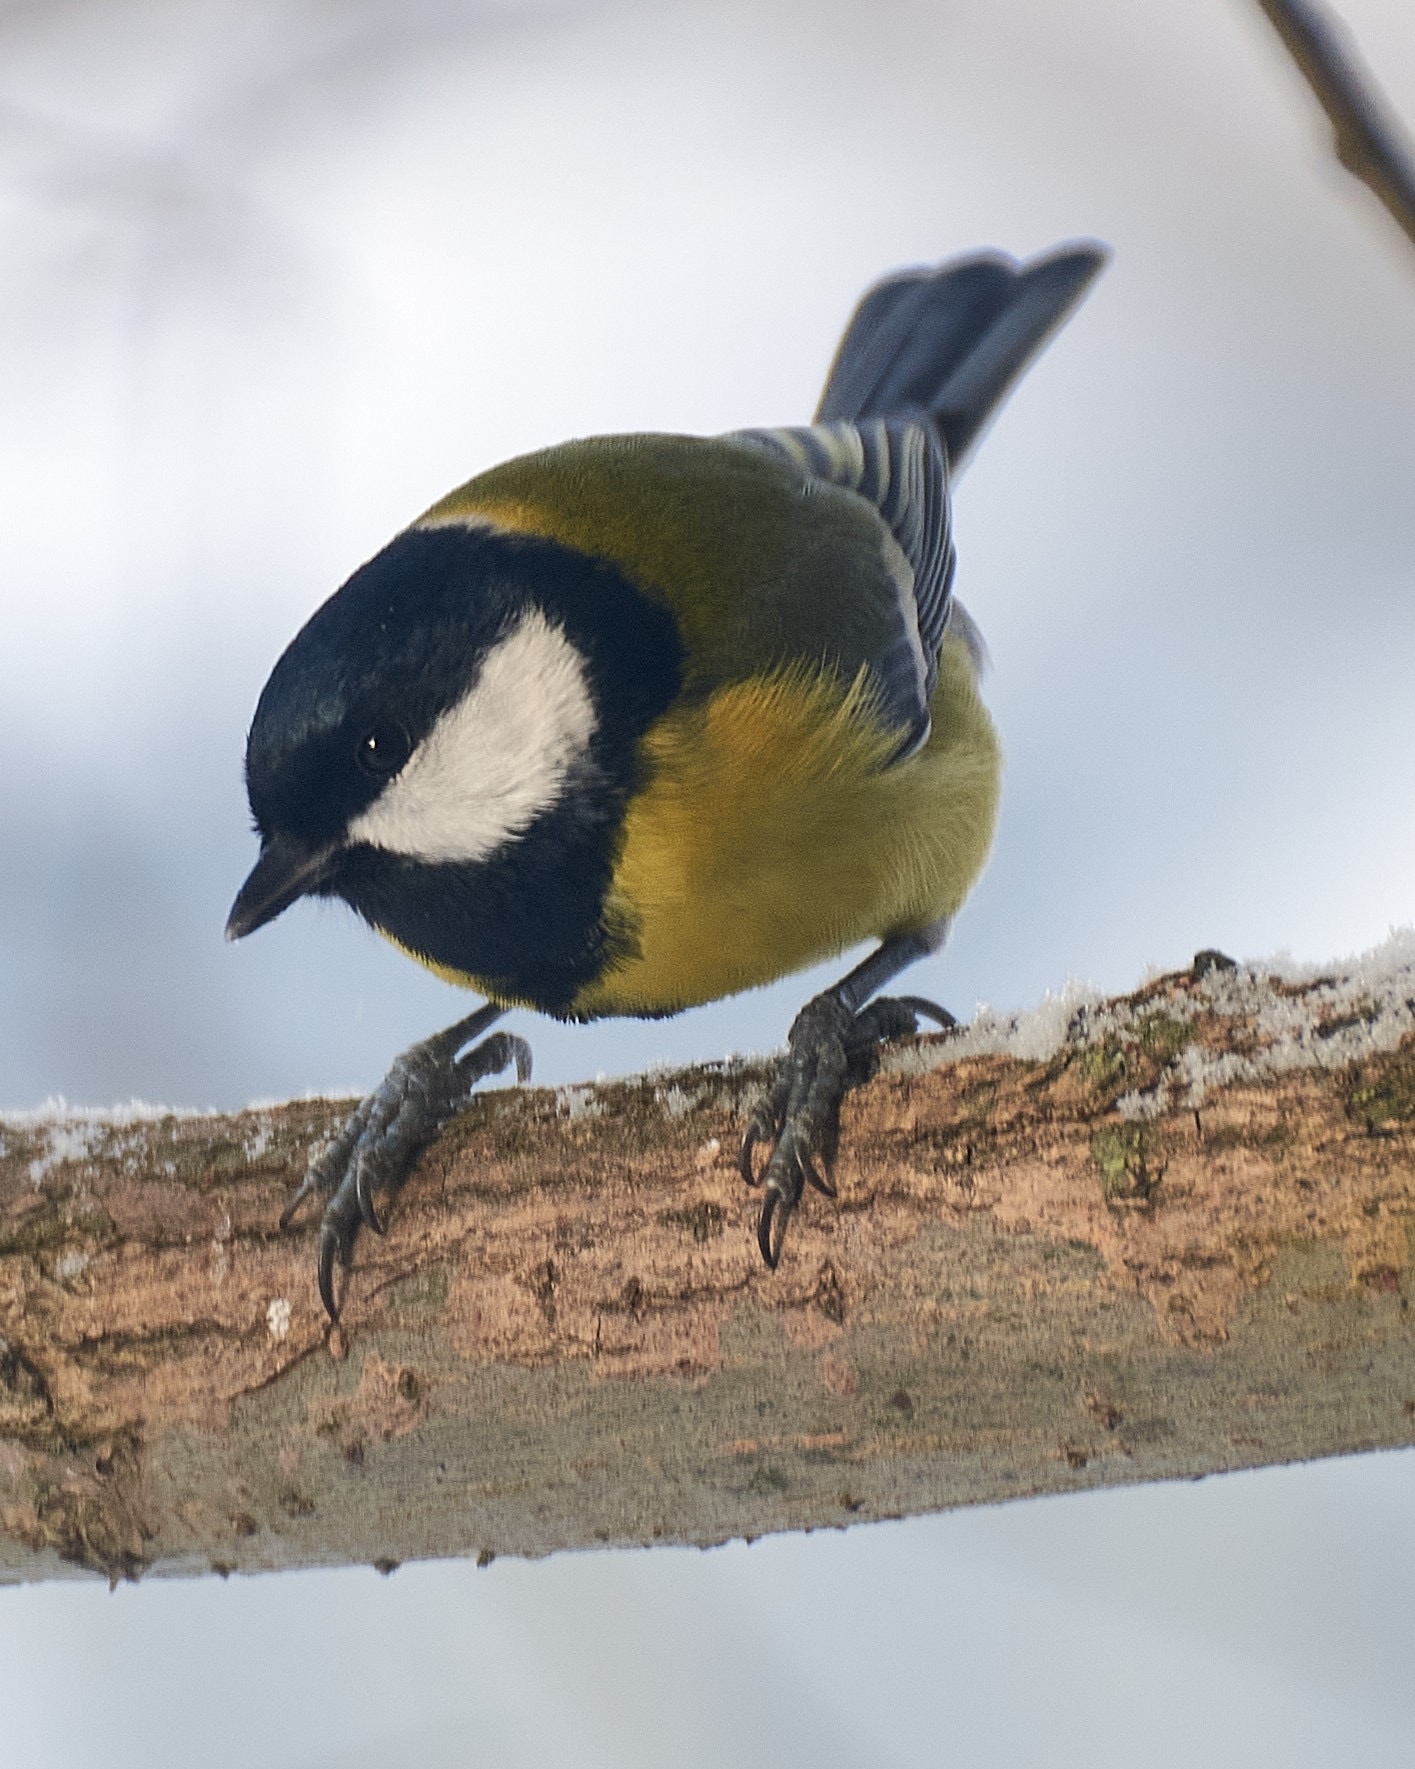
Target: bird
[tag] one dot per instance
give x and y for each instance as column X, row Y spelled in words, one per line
column 636, row 722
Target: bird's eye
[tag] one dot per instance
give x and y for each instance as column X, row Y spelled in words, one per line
column 383, row 751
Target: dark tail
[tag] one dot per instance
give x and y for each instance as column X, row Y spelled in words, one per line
column 952, row 341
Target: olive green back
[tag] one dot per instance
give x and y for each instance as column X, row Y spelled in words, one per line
column 760, row 572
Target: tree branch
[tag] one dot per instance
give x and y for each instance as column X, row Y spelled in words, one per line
column 1368, row 136
column 1118, row 1241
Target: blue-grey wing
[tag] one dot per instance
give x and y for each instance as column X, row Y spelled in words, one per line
column 952, row 340
column 898, row 466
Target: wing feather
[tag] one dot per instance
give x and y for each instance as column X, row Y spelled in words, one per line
column 898, row 467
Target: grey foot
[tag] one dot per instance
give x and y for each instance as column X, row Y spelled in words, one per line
column 829, row 1050
column 384, row 1134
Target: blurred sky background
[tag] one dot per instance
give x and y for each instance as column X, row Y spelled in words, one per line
column 273, row 276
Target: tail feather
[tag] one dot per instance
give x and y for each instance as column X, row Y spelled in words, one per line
column 952, row 341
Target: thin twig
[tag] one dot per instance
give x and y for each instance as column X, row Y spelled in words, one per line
column 1369, row 138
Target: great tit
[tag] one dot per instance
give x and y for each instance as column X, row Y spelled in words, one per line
column 635, row 722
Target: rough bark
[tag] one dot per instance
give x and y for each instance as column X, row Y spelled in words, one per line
column 1040, row 1274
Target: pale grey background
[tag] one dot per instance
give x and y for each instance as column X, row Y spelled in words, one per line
column 273, row 277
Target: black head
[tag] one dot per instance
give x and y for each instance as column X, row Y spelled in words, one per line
column 448, row 745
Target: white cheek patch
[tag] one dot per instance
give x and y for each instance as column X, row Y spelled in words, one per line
column 493, row 761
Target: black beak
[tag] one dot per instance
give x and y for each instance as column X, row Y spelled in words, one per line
column 286, row 870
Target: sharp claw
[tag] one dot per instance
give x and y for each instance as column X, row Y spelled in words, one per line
column 426, row 1086
column 931, row 1010
column 773, row 1201
column 811, row 1173
column 831, row 1047
column 754, row 1133
column 328, row 1253
column 363, row 1192
column 312, row 1182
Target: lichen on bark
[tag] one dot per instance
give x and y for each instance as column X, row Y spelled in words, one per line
column 1170, row 1237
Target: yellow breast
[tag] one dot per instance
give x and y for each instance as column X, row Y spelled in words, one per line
column 774, row 832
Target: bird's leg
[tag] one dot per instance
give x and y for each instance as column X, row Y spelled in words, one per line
column 833, row 1045
column 384, row 1133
